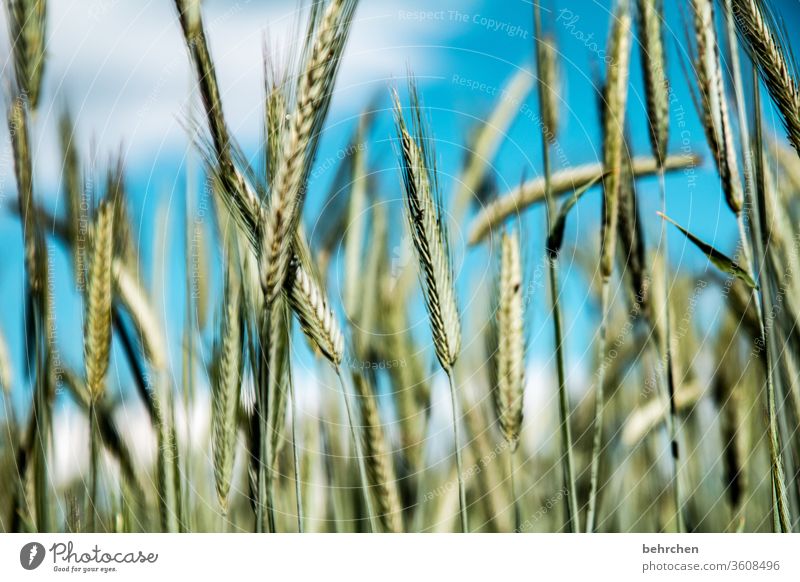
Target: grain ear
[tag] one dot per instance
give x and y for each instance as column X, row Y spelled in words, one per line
column 97, row 318
column 428, row 232
column 509, row 352
column 226, row 380
column 768, row 47
column 651, row 44
column 615, row 97
column 27, row 28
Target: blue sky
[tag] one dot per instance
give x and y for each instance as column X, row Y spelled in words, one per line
column 123, row 70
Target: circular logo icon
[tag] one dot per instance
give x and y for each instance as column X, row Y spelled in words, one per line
column 31, row 555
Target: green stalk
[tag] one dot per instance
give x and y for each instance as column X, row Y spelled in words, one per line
column 296, row 458
column 780, row 503
column 568, row 465
column 762, row 299
column 517, row 513
column 672, row 422
column 597, row 438
column 462, row 490
column 94, row 455
column 373, row 524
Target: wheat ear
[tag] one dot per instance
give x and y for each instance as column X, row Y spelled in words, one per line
column 549, row 87
column 429, row 235
column 313, row 93
column 715, row 116
column 97, row 332
column 317, row 320
column 225, row 389
column 509, row 357
column 97, row 320
column 615, row 97
column 757, row 26
column 533, row 191
column 27, row 27
column 656, row 87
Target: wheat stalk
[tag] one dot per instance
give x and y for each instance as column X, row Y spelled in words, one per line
column 644, row 419
column 508, row 361
column 547, row 111
column 533, row 191
column 355, row 236
column 409, row 377
column 615, row 97
column 107, row 426
column 97, row 330
column 37, row 303
column 757, row 26
column 20, row 143
column 429, row 235
column 238, row 197
column 5, row 366
column 781, row 511
column 657, row 95
column 380, row 469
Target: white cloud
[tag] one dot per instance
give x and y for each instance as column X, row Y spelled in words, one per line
column 124, row 71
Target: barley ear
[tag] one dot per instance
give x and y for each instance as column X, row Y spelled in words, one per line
column 769, row 49
column 568, row 180
column 313, row 94
column 714, row 106
column 615, row 98
column 632, row 240
column 549, row 84
column 27, row 27
column 656, row 86
column 225, row 388
column 310, row 303
column 508, row 361
column 97, row 318
column 428, row 232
